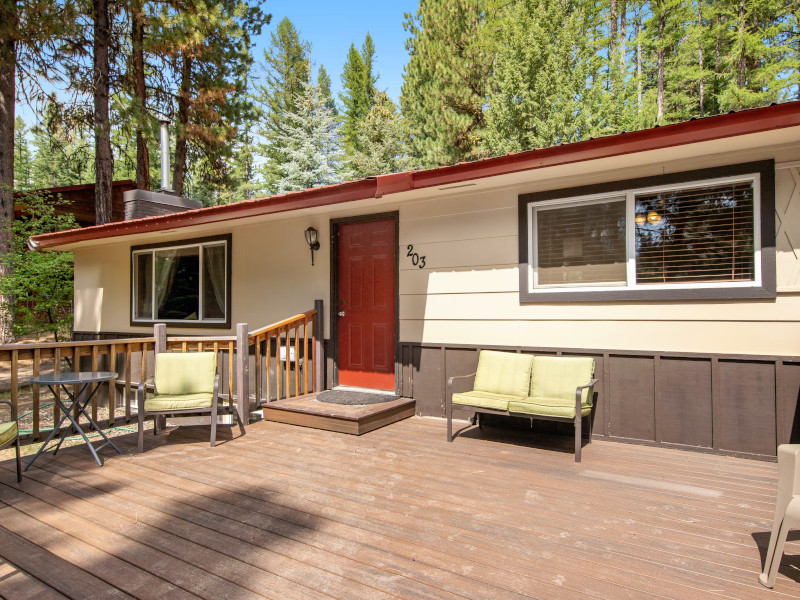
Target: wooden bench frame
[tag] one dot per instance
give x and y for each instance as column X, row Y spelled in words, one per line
column 577, row 420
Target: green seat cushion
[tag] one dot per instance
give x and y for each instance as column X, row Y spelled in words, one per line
column 559, row 377
column 8, row 431
column 549, row 407
column 504, row 373
column 163, row 402
column 182, row 373
column 484, row 399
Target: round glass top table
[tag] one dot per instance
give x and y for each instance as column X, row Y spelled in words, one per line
column 73, row 401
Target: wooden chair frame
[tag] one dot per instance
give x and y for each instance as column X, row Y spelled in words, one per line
column 15, row 440
column 214, row 411
column 577, row 420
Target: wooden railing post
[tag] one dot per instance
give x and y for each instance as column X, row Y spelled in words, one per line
column 319, row 350
column 160, row 345
column 243, row 372
column 160, row 333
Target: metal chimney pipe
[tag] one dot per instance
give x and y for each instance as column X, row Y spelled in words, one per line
column 165, row 154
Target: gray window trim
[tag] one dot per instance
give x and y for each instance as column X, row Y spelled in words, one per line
column 767, row 289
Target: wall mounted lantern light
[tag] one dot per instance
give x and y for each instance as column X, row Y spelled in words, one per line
column 312, row 239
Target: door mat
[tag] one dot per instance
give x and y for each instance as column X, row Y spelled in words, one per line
column 354, row 398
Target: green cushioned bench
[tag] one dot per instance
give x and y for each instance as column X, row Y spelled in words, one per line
column 553, row 388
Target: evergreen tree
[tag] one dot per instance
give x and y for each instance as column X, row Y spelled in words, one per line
column 62, row 156
column 324, row 83
column 382, row 141
column 540, row 76
column 358, row 90
column 312, row 144
column 447, row 79
column 287, row 75
column 23, row 174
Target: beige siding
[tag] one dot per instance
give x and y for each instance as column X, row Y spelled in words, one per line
column 468, row 292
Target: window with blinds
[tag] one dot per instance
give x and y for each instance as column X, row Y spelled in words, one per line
column 580, row 244
column 695, row 235
column 701, row 233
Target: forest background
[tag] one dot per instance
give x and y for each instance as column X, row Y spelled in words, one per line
column 483, row 78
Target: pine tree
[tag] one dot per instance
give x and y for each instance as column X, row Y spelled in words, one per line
column 447, row 79
column 540, row 78
column 381, row 141
column 358, row 90
column 62, row 156
column 23, row 174
column 312, row 144
column 287, row 75
column 324, row 83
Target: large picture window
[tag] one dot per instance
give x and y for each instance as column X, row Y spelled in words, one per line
column 182, row 283
column 680, row 236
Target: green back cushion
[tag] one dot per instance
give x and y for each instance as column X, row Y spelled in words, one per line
column 179, row 373
column 559, row 376
column 503, row 373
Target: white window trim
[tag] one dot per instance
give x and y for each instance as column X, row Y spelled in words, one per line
column 629, row 196
column 201, row 246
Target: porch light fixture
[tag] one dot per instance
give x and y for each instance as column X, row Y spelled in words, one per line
column 312, row 239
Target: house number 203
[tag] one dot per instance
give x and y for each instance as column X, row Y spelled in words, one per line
column 416, row 259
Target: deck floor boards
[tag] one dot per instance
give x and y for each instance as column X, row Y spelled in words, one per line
column 291, row 512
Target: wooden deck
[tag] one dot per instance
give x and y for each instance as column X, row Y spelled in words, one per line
column 289, row 512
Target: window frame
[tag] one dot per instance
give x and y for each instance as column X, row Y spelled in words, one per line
column 199, row 243
column 762, row 173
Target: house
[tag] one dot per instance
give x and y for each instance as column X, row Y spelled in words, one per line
column 671, row 255
column 81, row 200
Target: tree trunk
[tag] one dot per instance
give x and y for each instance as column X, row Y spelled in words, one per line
column 103, row 161
column 179, row 169
column 140, row 93
column 741, row 70
column 700, row 60
column 623, row 36
column 660, row 60
column 639, row 57
column 8, row 63
column 612, row 46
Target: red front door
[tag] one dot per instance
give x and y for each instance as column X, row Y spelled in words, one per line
column 366, row 303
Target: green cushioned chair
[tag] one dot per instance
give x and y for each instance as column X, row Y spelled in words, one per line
column 9, row 434
column 185, row 383
column 553, row 388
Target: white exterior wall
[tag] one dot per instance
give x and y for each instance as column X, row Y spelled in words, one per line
column 468, row 292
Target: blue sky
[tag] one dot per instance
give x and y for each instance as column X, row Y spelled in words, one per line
column 331, row 27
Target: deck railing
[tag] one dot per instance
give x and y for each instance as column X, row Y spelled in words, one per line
column 288, row 358
column 130, row 357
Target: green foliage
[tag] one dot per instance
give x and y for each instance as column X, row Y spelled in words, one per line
column 447, row 78
column 287, row 73
column 358, row 90
column 63, row 155
column 311, row 143
column 23, row 168
column 381, row 141
column 539, row 80
column 39, row 284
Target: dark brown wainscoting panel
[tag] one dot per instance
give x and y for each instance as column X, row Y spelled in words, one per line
column 683, row 402
column 632, row 383
column 744, row 419
column 788, row 402
column 730, row 404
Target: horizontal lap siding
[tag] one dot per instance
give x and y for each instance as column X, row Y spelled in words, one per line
column 674, row 373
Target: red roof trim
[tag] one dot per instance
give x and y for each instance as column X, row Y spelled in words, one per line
column 711, row 128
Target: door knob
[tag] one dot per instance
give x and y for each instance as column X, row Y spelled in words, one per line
column 341, row 313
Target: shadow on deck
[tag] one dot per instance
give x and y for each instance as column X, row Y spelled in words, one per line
column 289, row 512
